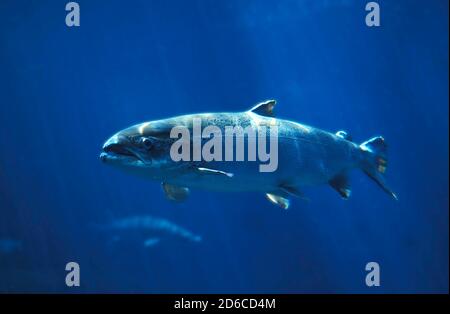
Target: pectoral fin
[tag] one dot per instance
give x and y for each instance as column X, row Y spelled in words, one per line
column 208, row 171
column 278, row 200
column 341, row 184
column 175, row 193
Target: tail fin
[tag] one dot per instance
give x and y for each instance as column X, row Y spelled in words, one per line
column 375, row 162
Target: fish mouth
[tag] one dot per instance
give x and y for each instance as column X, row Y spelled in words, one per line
column 119, row 149
column 118, row 152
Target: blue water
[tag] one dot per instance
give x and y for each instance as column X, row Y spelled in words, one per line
column 64, row 91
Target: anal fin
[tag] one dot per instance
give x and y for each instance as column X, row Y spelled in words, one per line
column 341, row 184
column 292, row 190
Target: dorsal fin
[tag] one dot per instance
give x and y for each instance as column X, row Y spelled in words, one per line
column 344, row 135
column 265, row 108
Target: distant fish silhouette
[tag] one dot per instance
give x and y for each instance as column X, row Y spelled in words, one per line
column 151, row 242
column 153, row 227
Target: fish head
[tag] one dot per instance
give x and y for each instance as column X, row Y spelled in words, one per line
column 144, row 146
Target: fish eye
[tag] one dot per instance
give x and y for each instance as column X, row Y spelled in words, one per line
column 146, row 142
